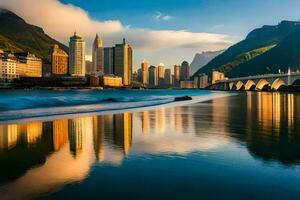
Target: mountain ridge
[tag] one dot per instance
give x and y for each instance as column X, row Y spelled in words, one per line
column 201, row 59
column 263, row 37
column 16, row 35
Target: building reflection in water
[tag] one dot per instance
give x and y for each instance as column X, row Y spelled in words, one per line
column 77, row 128
column 274, row 109
column 60, row 133
column 178, row 121
column 273, row 133
column 8, row 136
column 290, row 112
column 112, row 137
column 145, row 122
column 65, row 149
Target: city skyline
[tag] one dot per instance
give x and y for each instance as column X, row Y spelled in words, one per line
column 162, row 29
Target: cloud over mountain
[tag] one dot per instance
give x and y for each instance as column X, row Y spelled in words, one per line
column 61, row 20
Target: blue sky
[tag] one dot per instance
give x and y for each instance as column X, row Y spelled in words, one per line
column 234, row 17
column 167, row 31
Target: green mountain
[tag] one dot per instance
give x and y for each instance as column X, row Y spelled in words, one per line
column 18, row 36
column 265, row 50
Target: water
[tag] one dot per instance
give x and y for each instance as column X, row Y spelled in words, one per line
column 244, row 146
column 38, row 103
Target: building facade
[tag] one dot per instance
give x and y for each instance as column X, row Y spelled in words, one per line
column 98, row 56
column 29, row 65
column 168, row 77
column 108, row 60
column 202, row 81
column 59, row 61
column 217, row 76
column 8, row 69
column 145, row 72
column 153, row 76
column 123, row 62
column 161, row 74
column 110, row 80
column 184, row 71
column 176, row 81
column 137, row 76
column 187, row 85
column 77, row 56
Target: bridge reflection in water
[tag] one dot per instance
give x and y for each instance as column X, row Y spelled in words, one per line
column 39, row 157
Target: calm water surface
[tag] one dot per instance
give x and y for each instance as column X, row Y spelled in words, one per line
column 239, row 147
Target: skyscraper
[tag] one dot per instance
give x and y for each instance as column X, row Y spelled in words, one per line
column 176, row 75
column 97, row 55
column 153, row 76
column 184, row 71
column 161, row 74
column 108, row 60
column 145, row 72
column 77, row 56
column 123, row 62
column 168, row 77
column 137, row 76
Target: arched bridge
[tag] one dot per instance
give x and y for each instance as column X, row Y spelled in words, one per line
column 260, row 82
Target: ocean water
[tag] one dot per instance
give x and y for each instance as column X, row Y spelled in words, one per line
column 242, row 146
column 18, row 104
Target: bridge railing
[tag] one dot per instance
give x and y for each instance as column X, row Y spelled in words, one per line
column 258, row 77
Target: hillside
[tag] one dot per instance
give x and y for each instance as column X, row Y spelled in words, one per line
column 18, row 36
column 243, row 58
column 286, row 54
column 239, row 59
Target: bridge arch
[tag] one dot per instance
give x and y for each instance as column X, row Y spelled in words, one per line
column 232, row 86
column 277, row 84
column 240, row 85
column 296, row 82
column 250, row 85
column 262, row 83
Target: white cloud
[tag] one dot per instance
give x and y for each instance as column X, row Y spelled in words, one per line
column 61, row 20
column 217, row 26
column 160, row 16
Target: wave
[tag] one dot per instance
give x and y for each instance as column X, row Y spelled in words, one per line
column 71, row 98
column 32, row 105
column 63, row 110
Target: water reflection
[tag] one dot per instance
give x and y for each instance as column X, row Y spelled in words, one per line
column 274, row 132
column 41, row 157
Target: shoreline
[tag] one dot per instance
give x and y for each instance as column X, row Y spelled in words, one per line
column 99, row 88
column 84, row 113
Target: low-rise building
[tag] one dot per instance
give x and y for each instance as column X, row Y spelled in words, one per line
column 201, row 81
column 8, row 69
column 217, row 76
column 187, row 85
column 110, row 80
column 29, row 65
column 93, row 80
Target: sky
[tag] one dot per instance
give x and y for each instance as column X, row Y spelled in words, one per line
column 167, row 31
